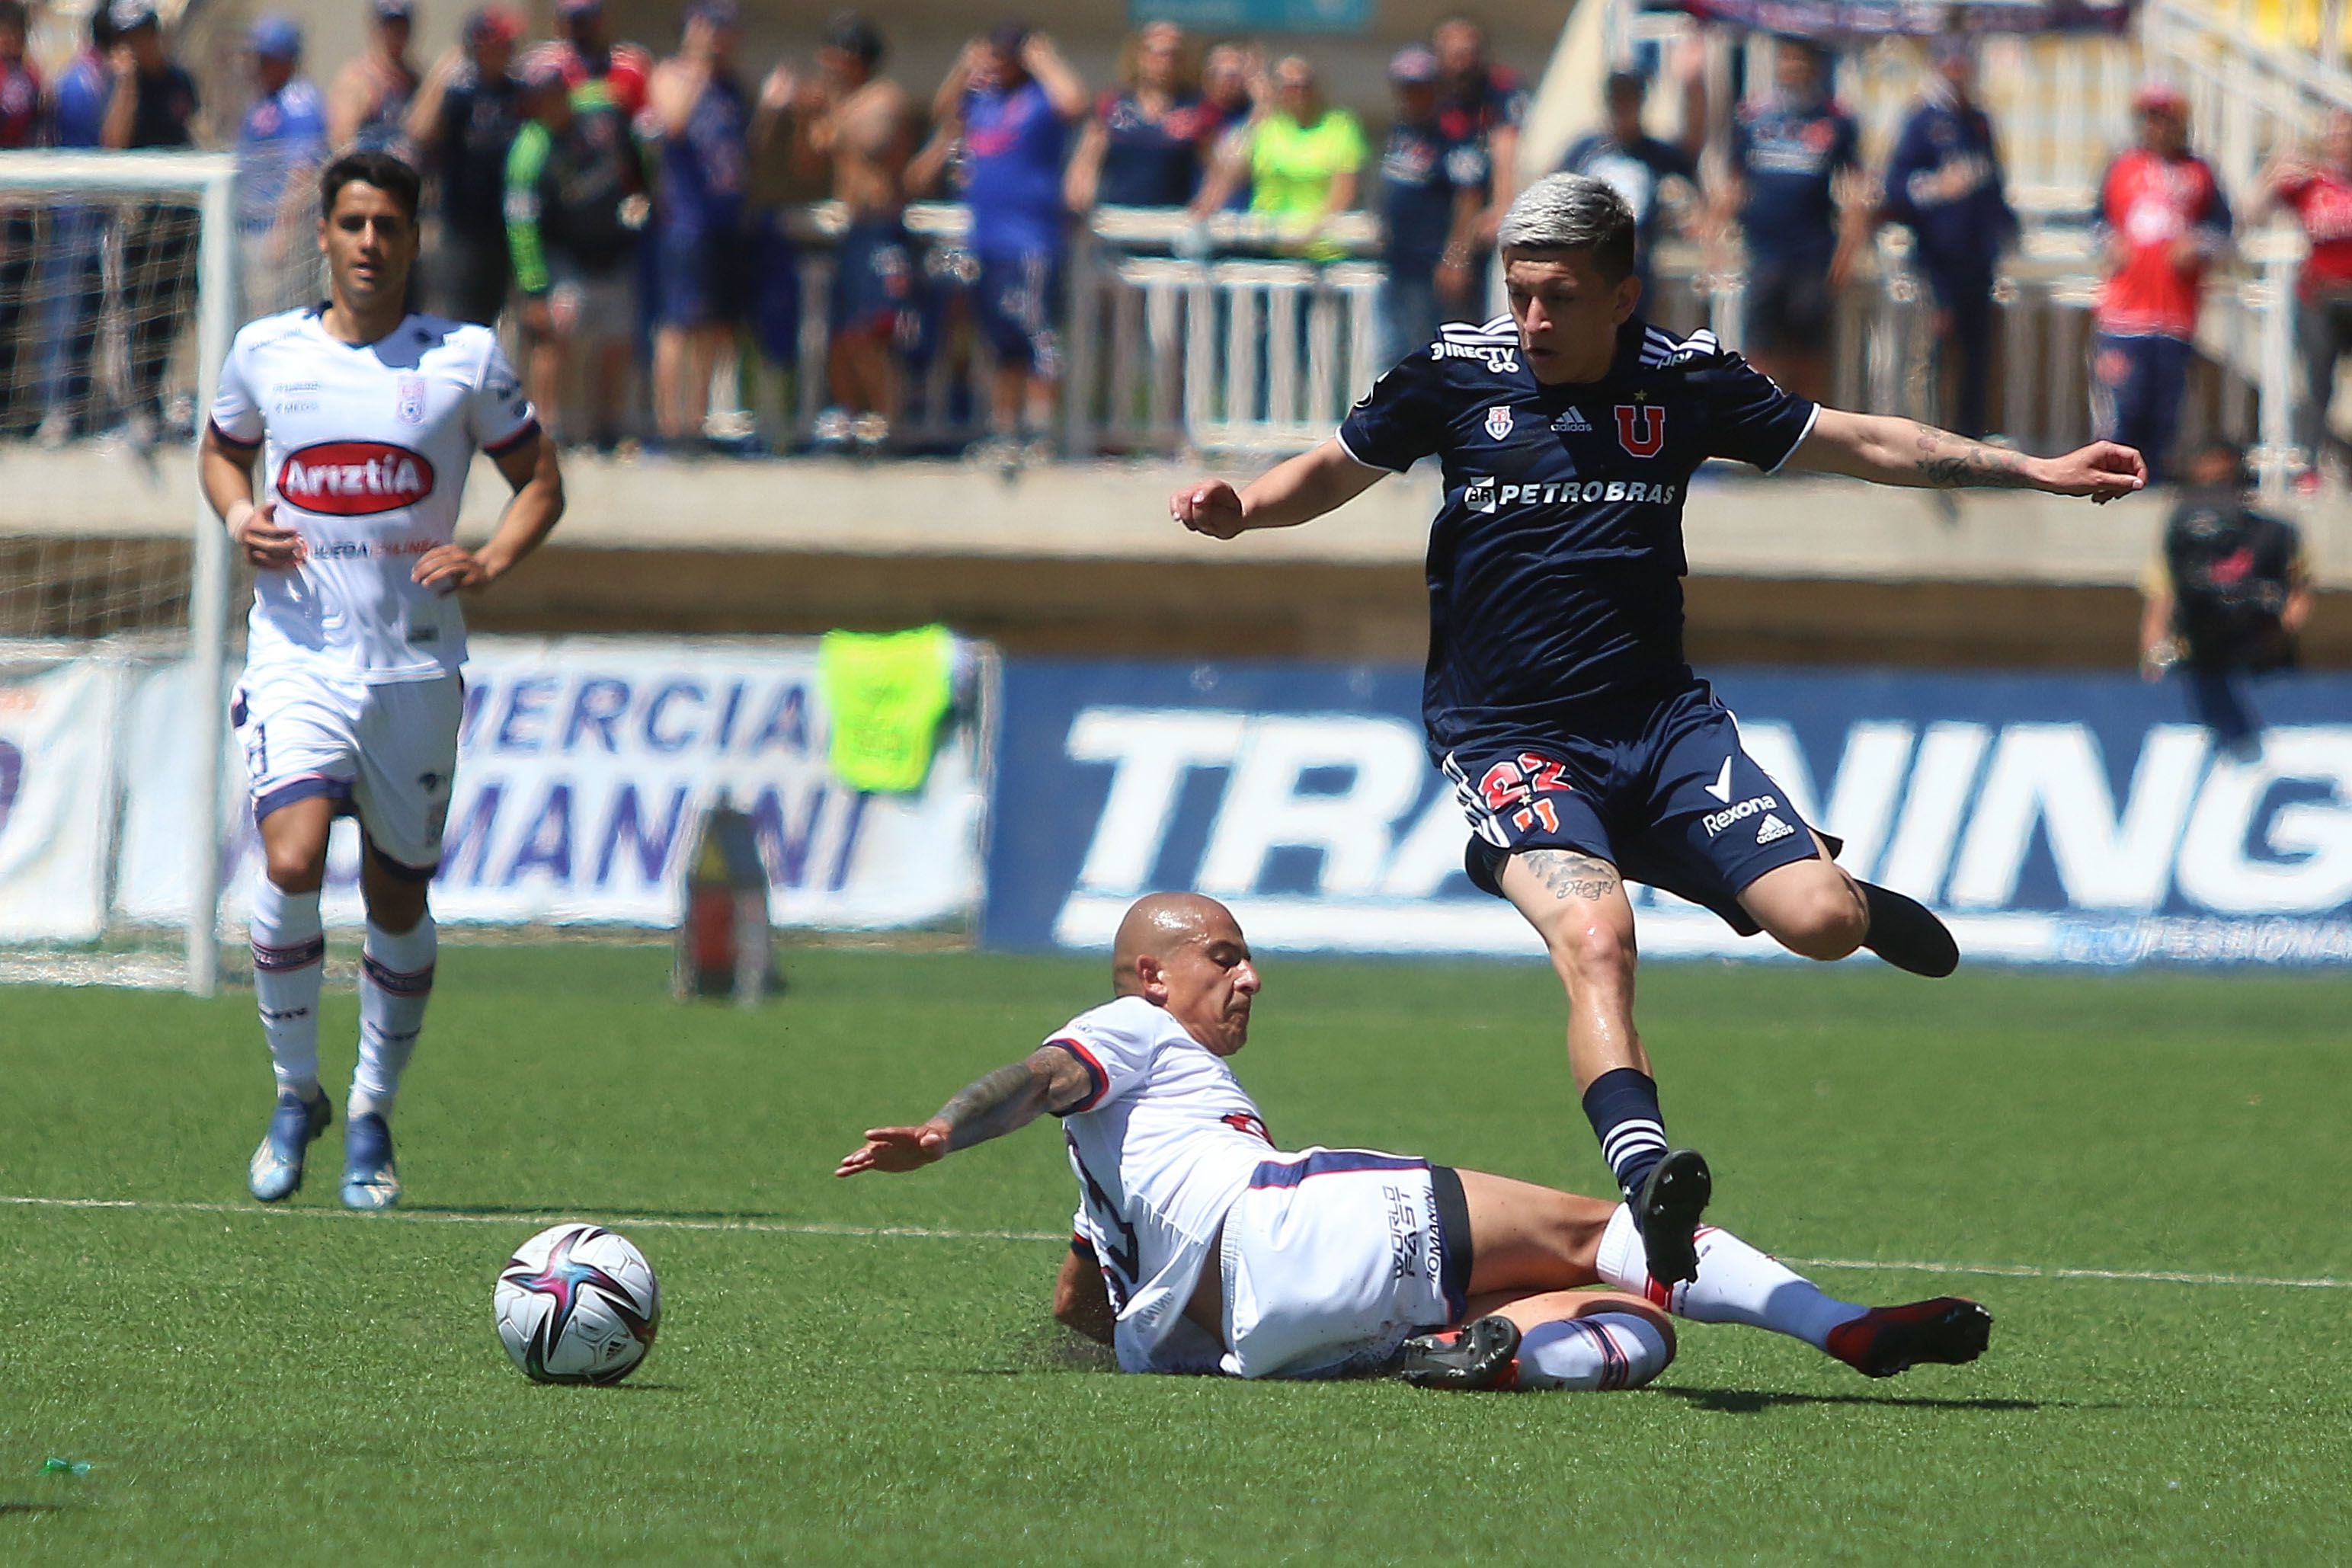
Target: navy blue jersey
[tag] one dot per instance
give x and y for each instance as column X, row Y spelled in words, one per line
column 1789, row 158
column 1556, row 562
column 1422, row 176
column 1944, row 180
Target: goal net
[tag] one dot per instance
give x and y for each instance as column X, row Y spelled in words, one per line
column 119, row 295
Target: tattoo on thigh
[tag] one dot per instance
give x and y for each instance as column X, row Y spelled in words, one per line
column 1569, row 875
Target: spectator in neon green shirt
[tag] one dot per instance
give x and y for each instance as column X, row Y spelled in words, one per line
column 1304, row 162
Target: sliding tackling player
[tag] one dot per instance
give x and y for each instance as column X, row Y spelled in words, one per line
column 1201, row 1247
column 364, row 418
column 1557, row 699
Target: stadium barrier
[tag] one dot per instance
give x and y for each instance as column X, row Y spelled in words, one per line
column 1182, row 338
column 584, row 765
column 2052, row 819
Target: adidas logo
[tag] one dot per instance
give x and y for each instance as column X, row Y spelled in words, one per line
column 1773, row 830
column 1573, row 421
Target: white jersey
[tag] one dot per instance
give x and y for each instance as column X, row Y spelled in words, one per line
column 365, row 450
column 1163, row 1145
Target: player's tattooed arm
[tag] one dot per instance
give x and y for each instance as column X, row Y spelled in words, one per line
column 1952, row 462
column 1569, row 875
column 1014, row 1096
column 1049, row 1079
column 1891, row 451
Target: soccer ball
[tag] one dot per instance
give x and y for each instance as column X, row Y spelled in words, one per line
column 577, row 1304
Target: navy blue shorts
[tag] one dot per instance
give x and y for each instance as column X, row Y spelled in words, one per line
column 877, row 283
column 1675, row 802
column 1014, row 303
column 700, row 277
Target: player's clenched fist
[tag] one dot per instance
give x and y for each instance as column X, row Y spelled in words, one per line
column 1210, row 506
column 2102, row 470
column 266, row 546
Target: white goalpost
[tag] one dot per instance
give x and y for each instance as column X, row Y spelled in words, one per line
column 119, row 296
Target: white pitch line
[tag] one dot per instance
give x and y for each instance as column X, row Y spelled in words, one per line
column 924, row 1233
column 634, row 1222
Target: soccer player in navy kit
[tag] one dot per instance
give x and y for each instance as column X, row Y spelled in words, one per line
column 1557, row 699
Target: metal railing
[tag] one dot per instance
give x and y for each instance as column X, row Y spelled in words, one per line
column 1169, row 352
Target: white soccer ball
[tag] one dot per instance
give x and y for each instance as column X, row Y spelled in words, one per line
column 577, row 1303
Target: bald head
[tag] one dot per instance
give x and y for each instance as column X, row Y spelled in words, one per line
column 1156, row 925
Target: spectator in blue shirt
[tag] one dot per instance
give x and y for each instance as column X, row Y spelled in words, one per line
column 1433, row 189
column 71, row 272
column 1011, row 99
column 1635, row 164
column 281, row 139
column 153, row 105
column 1944, row 182
column 1793, row 158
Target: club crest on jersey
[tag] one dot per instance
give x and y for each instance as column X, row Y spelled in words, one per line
column 411, row 405
column 353, row 479
column 1641, row 428
column 1498, row 421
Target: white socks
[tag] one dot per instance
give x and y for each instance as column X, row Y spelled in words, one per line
column 1603, row 1349
column 290, row 954
column 1736, row 1284
column 395, row 983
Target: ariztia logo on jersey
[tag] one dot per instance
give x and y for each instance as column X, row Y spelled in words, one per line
column 1480, row 493
column 1498, row 421
column 354, row 479
column 1641, row 428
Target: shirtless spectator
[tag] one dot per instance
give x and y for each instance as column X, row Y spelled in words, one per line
column 367, row 106
column 859, row 127
column 701, row 118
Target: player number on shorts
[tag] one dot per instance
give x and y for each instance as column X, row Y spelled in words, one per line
column 1519, row 788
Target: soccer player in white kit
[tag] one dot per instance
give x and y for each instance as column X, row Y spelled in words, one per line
column 1199, row 1247
column 363, row 418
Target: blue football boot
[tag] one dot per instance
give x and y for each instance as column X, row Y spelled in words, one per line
column 370, row 1181
column 276, row 1171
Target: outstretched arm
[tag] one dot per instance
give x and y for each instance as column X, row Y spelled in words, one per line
column 1298, row 491
column 1050, row 1079
column 1891, row 451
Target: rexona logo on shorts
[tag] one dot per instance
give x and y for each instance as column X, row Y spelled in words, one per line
column 1717, row 821
column 354, row 479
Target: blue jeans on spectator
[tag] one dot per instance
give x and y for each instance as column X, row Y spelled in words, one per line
column 1964, row 298
column 2137, row 385
column 1409, row 313
column 73, row 287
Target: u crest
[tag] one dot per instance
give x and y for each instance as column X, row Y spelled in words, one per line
column 1641, row 428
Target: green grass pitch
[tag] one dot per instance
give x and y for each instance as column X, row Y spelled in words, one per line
column 301, row 1385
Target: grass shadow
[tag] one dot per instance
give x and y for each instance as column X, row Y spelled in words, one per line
column 538, row 1211
column 1751, row 1401
column 7, row 1508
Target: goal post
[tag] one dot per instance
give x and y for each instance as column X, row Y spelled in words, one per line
column 98, row 225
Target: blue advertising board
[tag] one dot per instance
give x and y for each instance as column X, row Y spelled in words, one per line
column 2051, row 818
column 1255, row 16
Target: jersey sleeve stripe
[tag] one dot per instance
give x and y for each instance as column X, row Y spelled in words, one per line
column 527, row 433
column 227, row 439
column 1098, row 1080
column 1810, row 420
column 1341, row 436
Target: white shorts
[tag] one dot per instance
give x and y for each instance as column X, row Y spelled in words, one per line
column 1333, row 1258
column 386, row 752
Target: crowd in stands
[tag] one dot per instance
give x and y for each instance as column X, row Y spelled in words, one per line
column 611, row 206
